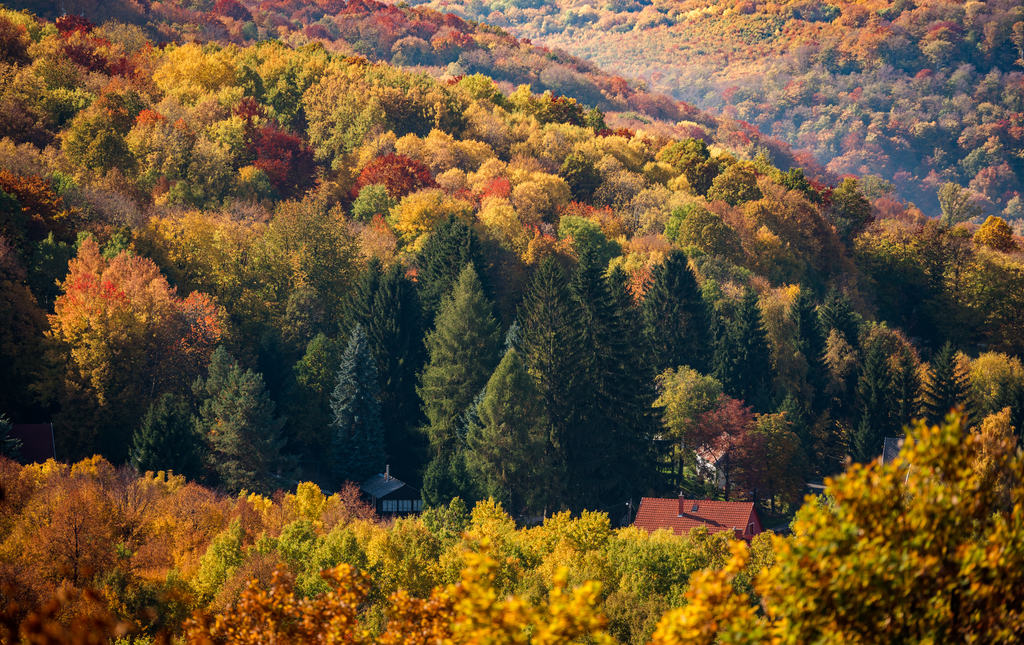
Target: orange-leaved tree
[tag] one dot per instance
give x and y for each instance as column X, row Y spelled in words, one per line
column 470, row 611
column 128, row 337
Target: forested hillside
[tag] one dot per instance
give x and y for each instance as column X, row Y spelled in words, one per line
column 254, row 262
column 204, row 248
column 919, row 92
column 440, row 44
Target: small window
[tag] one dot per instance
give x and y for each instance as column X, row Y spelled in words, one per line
column 418, row 505
column 390, row 506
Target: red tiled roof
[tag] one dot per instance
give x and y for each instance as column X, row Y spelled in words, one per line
column 663, row 513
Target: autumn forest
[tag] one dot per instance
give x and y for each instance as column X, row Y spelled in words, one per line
column 264, row 263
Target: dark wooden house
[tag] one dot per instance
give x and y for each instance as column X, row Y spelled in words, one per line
column 391, row 496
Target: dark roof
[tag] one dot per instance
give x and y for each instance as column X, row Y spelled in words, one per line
column 663, row 513
column 380, row 485
column 891, row 447
column 36, row 441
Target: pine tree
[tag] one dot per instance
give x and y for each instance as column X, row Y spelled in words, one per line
column 675, row 319
column 810, row 344
column 551, row 339
column 451, row 246
column 360, row 304
column 463, row 349
column 800, row 422
column 166, row 439
column 506, row 441
column 396, row 341
column 875, row 404
column 906, row 389
column 946, row 387
column 237, row 418
column 358, row 433
column 387, row 306
column 742, row 359
column 836, row 313
column 613, row 460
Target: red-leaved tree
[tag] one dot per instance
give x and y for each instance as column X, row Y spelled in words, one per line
column 400, row 174
column 286, row 159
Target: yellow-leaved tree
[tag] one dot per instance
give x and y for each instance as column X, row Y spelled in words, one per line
column 927, row 548
column 465, row 612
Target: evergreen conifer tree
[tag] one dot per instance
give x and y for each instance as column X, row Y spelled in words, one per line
column 877, row 416
column 359, row 435
column 742, row 358
column 613, row 460
column 386, row 304
column 360, row 304
column 810, row 344
column 448, row 249
column 675, row 319
column 946, row 386
column 463, row 349
column 166, row 438
column 837, row 313
column 396, row 341
column 237, row 418
column 799, row 420
column 505, row 443
column 551, row 339
column 906, row 389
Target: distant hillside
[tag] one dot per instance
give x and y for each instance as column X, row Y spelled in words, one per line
column 440, row 44
column 918, row 92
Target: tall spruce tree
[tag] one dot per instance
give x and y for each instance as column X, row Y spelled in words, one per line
column 906, row 388
column 837, row 313
column 505, row 441
column 614, row 461
column 237, row 419
column 463, row 349
column 448, row 249
column 358, row 444
column 360, row 303
column 676, row 322
column 551, row 337
column 875, row 401
column 742, row 358
column 946, row 387
column 810, row 344
column 396, row 340
column 166, row 439
column 386, row 304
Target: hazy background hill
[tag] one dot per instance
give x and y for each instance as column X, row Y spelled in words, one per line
column 919, row 92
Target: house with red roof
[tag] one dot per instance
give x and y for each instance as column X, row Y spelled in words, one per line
column 681, row 515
